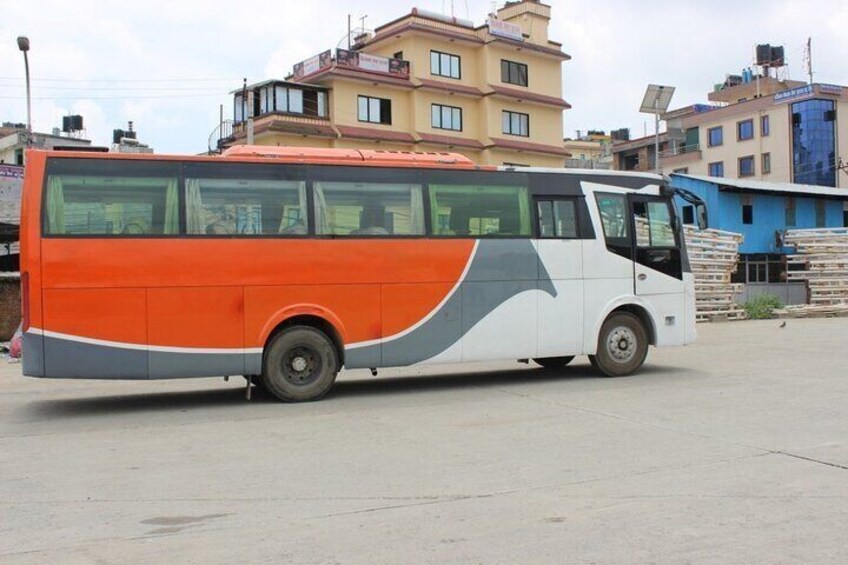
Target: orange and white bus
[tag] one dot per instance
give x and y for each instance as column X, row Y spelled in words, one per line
column 285, row 265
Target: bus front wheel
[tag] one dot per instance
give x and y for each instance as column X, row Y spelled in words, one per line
column 622, row 345
column 300, row 364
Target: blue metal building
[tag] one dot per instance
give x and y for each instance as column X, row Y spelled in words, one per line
column 762, row 212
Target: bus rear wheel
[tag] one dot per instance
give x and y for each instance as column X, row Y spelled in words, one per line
column 300, row 364
column 622, row 346
column 554, row 363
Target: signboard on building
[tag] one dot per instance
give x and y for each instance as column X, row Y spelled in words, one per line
column 793, row 94
column 830, row 89
column 372, row 63
column 312, row 65
column 11, row 181
column 505, row 29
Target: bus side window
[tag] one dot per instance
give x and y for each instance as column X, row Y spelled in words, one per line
column 653, row 224
column 368, row 209
column 480, row 211
column 614, row 217
column 220, row 206
column 557, row 219
column 111, row 206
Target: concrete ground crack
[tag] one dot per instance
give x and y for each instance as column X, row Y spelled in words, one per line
column 811, row 459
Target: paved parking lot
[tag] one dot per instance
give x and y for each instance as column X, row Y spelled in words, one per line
column 734, row 450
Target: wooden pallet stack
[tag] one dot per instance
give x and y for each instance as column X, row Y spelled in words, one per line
column 821, row 261
column 714, row 256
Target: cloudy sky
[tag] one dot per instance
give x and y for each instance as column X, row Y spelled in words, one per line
column 168, row 65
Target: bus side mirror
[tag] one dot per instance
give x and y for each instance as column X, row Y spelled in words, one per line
column 701, row 212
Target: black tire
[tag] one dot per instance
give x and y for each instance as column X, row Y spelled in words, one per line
column 622, row 345
column 300, row 364
column 554, row 363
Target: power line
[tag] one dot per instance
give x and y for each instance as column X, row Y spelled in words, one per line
column 120, row 88
column 131, row 97
column 42, row 79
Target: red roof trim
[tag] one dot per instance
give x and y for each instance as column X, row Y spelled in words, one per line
column 449, row 87
column 528, row 146
column 528, row 96
column 450, row 141
column 531, row 47
column 375, row 134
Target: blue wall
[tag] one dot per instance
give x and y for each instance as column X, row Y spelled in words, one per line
column 724, row 212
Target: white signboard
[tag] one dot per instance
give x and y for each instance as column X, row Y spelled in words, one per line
column 11, row 181
column 505, row 29
column 793, row 94
column 311, row 65
column 373, row 63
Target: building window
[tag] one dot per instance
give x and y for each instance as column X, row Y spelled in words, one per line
column 765, row 163
column 516, row 123
column 765, row 126
column 513, row 73
column 745, row 130
column 717, row 169
column 746, row 166
column 789, row 212
column 821, row 213
column 747, row 212
column 444, row 65
column 716, row 136
column 375, row 110
column 446, row 117
column 689, row 214
column 681, row 171
column 814, row 142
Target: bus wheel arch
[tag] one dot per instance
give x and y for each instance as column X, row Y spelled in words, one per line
column 318, row 322
column 643, row 315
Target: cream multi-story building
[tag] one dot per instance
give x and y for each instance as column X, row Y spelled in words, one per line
column 777, row 131
column 423, row 82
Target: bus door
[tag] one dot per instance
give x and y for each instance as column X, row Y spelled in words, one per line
column 657, row 266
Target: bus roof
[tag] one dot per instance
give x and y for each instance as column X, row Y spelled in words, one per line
column 357, row 157
column 314, row 155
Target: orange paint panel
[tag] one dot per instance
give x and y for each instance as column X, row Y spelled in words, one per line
column 104, row 263
column 355, row 307
column 404, row 305
column 114, row 314
column 210, row 317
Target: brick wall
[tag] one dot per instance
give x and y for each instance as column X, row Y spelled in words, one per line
column 10, row 305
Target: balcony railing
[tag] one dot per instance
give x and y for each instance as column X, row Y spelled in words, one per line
column 587, row 164
column 680, row 150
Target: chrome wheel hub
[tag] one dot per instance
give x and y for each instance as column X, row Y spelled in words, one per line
column 298, row 364
column 621, row 344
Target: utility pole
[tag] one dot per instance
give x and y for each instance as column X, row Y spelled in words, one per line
column 23, row 45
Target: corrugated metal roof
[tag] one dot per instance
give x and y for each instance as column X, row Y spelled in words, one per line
column 779, row 187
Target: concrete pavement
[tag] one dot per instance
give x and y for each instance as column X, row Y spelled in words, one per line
column 734, row 450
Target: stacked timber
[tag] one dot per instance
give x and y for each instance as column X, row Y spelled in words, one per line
column 821, row 261
column 714, row 256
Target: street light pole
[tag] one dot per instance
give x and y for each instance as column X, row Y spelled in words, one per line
column 23, row 45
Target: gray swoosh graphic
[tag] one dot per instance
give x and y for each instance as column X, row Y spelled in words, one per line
column 500, row 270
